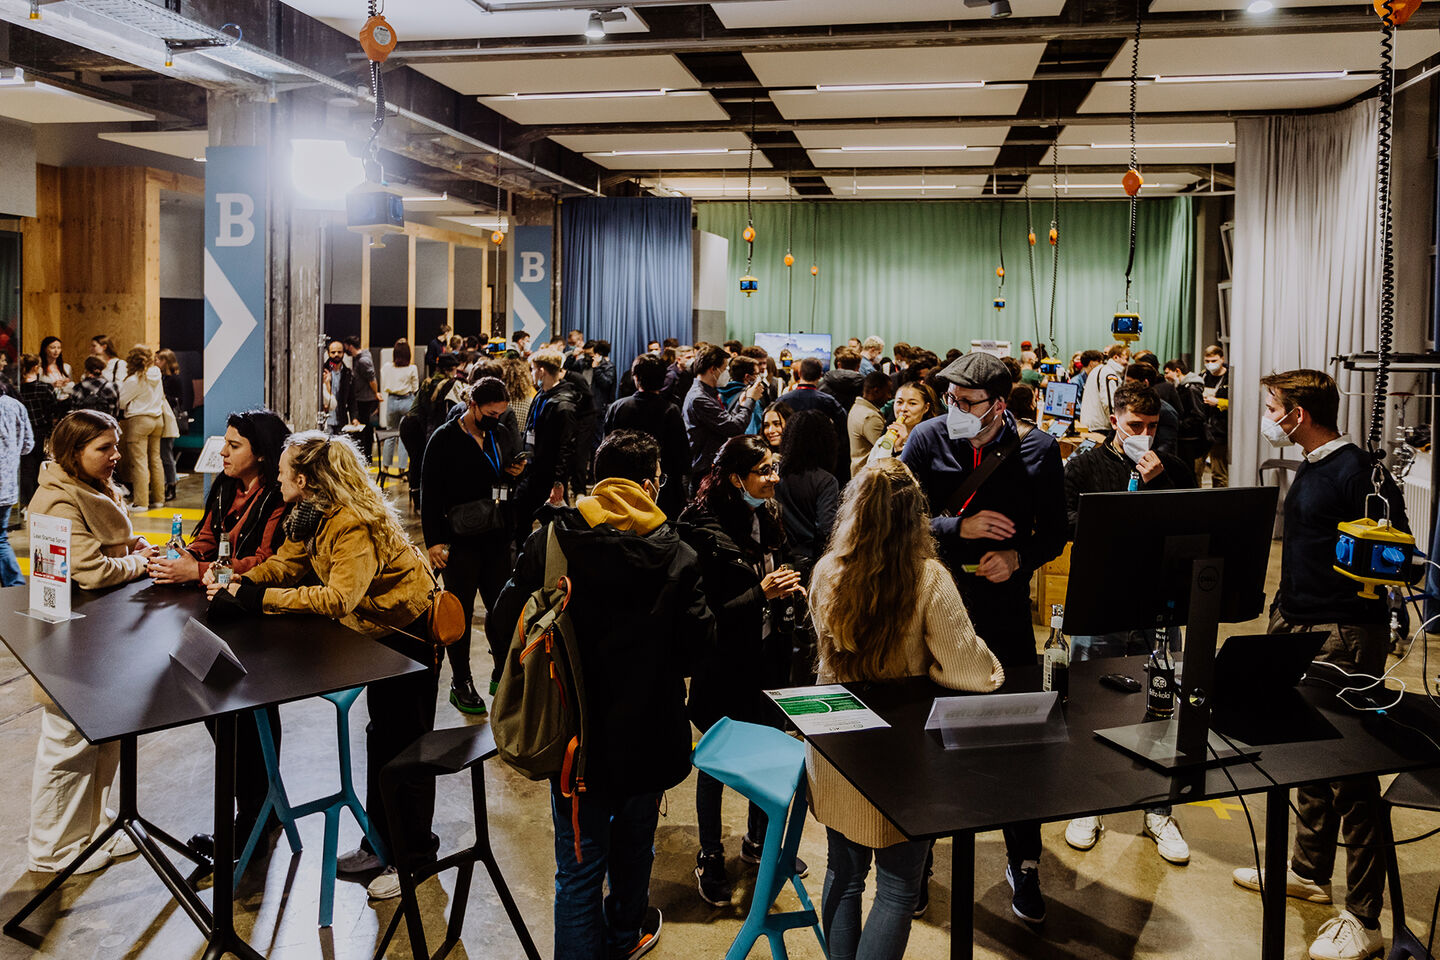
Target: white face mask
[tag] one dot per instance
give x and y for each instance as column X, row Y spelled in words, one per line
column 1213, row 366
column 963, row 425
column 1275, row 433
column 1137, row 445
column 724, row 379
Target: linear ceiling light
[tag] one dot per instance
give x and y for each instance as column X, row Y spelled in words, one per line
column 698, row 151
column 1190, row 145
column 1256, row 77
column 587, row 95
column 933, row 186
column 735, row 189
column 910, row 148
column 1260, row 6
column 428, row 198
column 874, row 87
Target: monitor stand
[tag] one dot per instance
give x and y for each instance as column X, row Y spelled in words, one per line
column 1187, row 741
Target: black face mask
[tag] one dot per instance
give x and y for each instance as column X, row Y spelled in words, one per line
column 489, row 423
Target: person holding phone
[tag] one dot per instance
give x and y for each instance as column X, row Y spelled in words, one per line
column 469, row 471
column 734, row 525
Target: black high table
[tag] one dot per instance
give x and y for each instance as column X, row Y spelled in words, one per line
column 929, row 792
column 111, row 674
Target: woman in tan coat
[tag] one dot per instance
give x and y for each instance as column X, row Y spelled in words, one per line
column 343, row 532
column 72, row 779
column 884, row 608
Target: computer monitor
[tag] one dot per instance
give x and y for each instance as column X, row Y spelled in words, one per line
column 1130, row 567
column 800, row 345
column 1062, row 400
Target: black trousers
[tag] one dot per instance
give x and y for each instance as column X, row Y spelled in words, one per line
column 480, row 565
column 252, row 781
column 369, row 411
column 401, row 709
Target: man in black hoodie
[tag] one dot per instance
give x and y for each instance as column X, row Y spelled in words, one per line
column 844, row 382
column 648, row 411
column 548, row 439
column 641, row 622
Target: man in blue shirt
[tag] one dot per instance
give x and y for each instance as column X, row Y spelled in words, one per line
column 995, row 540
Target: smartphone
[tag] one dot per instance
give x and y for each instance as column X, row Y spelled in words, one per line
column 1121, row 682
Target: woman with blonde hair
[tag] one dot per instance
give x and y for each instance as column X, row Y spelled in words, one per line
column 344, row 532
column 516, row 375
column 72, row 779
column 884, row 607
column 142, row 401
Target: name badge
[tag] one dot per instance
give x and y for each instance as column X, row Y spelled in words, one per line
column 529, row 438
column 500, row 493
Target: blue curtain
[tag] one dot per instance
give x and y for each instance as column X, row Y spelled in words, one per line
column 626, row 271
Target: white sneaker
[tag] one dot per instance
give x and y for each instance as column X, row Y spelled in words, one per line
column 1169, row 842
column 98, row 860
column 386, row 886
column 1083, row 832
column 358, row 860
column 1295, row 885
column 120, row 845
column 1346, row 938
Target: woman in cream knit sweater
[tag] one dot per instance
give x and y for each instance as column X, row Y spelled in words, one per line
column 72, row 779
column 882, row 561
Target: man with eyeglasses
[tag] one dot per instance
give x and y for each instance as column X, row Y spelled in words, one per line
column 993, row 536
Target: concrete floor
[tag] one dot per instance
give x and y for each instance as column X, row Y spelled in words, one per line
column 1117, row 900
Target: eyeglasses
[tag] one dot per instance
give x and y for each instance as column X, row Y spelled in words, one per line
column 773, row 470
column 965, row 406
column 660, row 481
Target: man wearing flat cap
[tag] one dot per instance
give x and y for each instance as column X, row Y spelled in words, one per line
column 994, row 536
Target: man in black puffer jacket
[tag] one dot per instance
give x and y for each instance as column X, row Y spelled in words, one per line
column 642, row 623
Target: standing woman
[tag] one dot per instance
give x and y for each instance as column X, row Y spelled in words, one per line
column 884, row 607
column 399, row 381
column 465, row 514
column 170, row 385
column 516, row 374
column 43, row 410
column 16, row 440
column 69, row 794
column 914, row 403
column 101, row 347
column 734, row 525
column 142, row 401
column 53, row 368
column 772, row 425
column 808, row 490
column 345, row 534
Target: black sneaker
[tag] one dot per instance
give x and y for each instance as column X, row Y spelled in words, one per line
column 465, row 698
column 750, row 852
column 711, row 877
column 1026, row 901
column 923, row 903
column 649, row 935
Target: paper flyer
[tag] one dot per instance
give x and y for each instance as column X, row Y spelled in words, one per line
column 828, row 708
column 49, row 567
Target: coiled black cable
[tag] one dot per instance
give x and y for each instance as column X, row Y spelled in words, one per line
column 377, row 90
column 1054, row 226
column 1030, row 244
column 1387, row 275
column 1134, row 151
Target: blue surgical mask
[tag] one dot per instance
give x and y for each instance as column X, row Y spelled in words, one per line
column 754, row 503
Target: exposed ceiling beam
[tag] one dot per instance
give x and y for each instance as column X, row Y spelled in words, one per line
column 1117, row 169
column 878, row 36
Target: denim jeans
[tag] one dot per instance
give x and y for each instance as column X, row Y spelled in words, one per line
column 899, row 874
column 10, row 575
column 617, row 843
column 395, row 410
column 1126, row 643
column 708, row 793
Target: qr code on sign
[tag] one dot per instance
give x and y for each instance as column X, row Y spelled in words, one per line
column 48, row 597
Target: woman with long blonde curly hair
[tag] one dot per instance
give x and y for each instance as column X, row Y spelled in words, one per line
column 884, row 607
column 343, row 531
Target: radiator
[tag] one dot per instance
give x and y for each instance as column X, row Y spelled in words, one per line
column 1419, row 499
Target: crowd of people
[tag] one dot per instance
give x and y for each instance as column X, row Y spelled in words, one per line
column 727, row 517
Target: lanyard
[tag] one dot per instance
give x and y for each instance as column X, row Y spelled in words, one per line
column 535, row 410
column 493, row 460
column 978, row 455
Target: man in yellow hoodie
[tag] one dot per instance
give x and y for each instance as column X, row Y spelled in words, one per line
column 641, row 622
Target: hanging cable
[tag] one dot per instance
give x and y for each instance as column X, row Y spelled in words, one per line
column 1030, row 252
column 999, row 301
column 748, row 283
column 1054, row 233
column 1132, row 180
column 1387, row 275
column 377, row 39
column 789, row 259
column 814, row 261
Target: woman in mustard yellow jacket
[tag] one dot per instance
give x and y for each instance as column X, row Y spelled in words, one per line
column 343, row 532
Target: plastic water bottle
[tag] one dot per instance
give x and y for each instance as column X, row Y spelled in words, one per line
column 221, row 567
column 1134, row 481
column 176, row 544
column 1056, row 675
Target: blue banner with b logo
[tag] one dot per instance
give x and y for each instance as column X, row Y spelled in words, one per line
column 236, row 229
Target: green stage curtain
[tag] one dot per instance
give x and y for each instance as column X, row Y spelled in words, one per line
column 924, row 272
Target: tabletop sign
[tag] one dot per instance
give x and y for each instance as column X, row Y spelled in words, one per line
column 828, row 708
column 49, row 568
column 998, row 720
column 202, row 652
column 209, row 460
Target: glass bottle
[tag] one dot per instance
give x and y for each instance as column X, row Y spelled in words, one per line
column 1056, row 675
column 176, row 544
column 221, row 568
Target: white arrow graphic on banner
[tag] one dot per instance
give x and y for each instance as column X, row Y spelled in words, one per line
column 236, row 321
column 530, row 320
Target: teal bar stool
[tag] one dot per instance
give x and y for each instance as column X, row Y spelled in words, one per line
column 343, row 799
column 764, row 765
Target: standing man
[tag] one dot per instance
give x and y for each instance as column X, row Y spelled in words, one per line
column 548, row 438
column 437, row 346
column 367, row 393
column 338, row 386
column 648, row 411
column 641, row 624
column 1331, row 485
column 994, row 536
column 707, row 423
column 521, row 339
column 865, row 425
column 1217, row 401
column 807, row 395
column 870, row 356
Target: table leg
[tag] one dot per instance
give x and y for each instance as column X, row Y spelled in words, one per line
column 962, row 896
column 1277, row 863
column 223, row 938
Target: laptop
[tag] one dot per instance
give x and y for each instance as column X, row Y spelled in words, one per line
column 1256, row 700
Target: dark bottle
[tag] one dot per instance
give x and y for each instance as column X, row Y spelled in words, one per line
column 1160, row 677
column 1056, row 675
